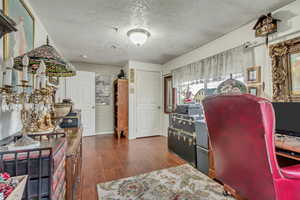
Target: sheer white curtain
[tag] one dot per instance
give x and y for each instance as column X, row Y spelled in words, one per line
column 217, row 67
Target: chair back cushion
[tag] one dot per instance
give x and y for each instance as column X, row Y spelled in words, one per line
column 241, row 134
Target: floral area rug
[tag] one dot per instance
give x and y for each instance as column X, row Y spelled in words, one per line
column 178, row 183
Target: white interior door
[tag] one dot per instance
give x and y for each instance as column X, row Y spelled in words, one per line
column 81, row 89
column 148, row 99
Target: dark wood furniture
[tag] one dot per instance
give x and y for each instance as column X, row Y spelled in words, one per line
column 182, row 144
column 44, row 165
column 73, row 163
column 288, row 147
column 54, row 168
column 121, row 107
column 188, row 137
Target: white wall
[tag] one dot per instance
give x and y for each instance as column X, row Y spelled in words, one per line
column 288, row 28
column 104, row 113
column 132, row 92
column 9, row 122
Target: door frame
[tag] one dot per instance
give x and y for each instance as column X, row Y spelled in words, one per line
column 135, row 99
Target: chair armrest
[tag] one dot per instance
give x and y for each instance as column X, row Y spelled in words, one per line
column 291, row 172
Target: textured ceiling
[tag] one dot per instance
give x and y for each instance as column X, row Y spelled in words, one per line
column 97, row 28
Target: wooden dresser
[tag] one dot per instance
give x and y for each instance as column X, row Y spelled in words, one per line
column 73, row 163
column 53, row 168
column 44, row 165
column 121, row 107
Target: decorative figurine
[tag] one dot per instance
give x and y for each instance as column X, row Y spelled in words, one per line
column 121, row 75
column 44, row 123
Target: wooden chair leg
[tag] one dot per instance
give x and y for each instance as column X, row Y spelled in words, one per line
column 230, row 191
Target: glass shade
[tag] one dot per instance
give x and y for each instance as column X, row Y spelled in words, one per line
column 138, row 36
column 56, row 65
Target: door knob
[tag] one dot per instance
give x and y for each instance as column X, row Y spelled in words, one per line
column 158, row 107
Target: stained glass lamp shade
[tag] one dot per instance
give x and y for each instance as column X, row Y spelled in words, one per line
column 56, row 65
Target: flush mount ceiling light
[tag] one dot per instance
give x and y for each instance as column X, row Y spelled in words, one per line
column 138, row 36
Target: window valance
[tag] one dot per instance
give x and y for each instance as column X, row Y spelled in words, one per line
column 233, row 61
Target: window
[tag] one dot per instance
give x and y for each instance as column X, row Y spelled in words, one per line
column 169, row 95
column 197, row 91
column 187, row 92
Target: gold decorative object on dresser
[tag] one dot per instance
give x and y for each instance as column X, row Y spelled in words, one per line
column 40, row 121
column 121, row 107
column 285, row 71
column 60, row 110
column 73, row 163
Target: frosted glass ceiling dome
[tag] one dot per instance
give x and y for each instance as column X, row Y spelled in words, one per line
column 138, row 36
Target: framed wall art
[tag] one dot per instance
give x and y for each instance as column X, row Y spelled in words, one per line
column 254, row 90
column 253, row 74
column 286, row 70
column 104, row 89
column 22, row 41
column 131, row 75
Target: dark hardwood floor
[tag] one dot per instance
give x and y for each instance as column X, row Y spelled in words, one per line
column 105, row 159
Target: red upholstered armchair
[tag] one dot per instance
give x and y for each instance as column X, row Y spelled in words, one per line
column 241, row 131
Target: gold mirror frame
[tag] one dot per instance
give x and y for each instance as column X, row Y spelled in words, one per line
column 281, row 70
column 6, row 37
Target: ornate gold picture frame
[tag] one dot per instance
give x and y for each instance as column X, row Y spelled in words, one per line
column 286, row 70
column 22, row 41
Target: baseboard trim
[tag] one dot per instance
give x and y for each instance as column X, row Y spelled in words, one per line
column 104, row 132
column 131, row 138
